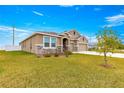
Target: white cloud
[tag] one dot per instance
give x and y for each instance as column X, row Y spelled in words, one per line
column 97, row 9
column 6, row 34
column 92, row 40
column 22, row 35
column 116, row 20
column 38, row 13
column 19, row 33
column 8, row 28
column 114, row 24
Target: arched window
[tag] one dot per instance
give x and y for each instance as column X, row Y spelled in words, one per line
column 74, row 32
column 83, row 38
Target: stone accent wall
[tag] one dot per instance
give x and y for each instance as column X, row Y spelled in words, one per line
column 40, row 50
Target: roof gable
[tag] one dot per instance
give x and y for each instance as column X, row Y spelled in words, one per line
column 73, row 34
column 82, row 39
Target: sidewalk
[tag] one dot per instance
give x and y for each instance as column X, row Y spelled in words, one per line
column 117, row 55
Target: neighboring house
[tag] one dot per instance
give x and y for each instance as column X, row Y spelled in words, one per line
column 44, row 42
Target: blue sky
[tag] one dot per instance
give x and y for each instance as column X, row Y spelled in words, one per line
column 88, row 20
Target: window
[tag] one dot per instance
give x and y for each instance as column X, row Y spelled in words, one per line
column 74, row 32
column 49, row 42
column 46, row 41
column 53, row 42
column 83, row 38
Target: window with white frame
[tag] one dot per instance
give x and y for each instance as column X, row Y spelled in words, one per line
column 53, row 41
column 49, row 42
column 46, row 41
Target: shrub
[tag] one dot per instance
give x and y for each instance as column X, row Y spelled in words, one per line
column 67, row 53
column 47, row 55
column 92, row 49
column 38, row 56
column 56, row 55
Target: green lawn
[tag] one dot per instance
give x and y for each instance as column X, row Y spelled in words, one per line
column 20, row 69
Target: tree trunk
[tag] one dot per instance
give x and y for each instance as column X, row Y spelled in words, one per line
column 105, row 58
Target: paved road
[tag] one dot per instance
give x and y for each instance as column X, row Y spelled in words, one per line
column 117, row 55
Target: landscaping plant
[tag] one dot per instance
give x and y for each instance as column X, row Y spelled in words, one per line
column 56, row 54
column 108, row 41
column 47, row 55
column 67, row 53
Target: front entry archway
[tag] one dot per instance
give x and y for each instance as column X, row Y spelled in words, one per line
column 65, row 44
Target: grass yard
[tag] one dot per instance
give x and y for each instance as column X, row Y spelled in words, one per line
column 20, row 69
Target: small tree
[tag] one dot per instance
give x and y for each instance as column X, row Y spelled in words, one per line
column 108, row 41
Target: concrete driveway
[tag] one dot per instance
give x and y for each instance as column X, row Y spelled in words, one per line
column 117, row 55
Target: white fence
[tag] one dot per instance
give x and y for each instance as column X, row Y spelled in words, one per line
column 10, row 48
column 2, row 48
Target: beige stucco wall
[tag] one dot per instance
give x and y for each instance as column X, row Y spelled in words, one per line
column 59, row 41
column 27, row 46
column 36, row 39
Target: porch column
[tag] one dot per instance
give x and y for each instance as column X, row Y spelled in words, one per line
column 61, row 44
column 68, row 44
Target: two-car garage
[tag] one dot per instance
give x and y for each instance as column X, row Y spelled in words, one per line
column 82, row 47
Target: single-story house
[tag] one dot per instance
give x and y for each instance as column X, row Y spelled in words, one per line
column 44, row 42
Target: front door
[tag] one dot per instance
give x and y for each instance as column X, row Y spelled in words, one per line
column 65, row 44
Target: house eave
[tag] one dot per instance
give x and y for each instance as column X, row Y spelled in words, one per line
column 40, row 33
